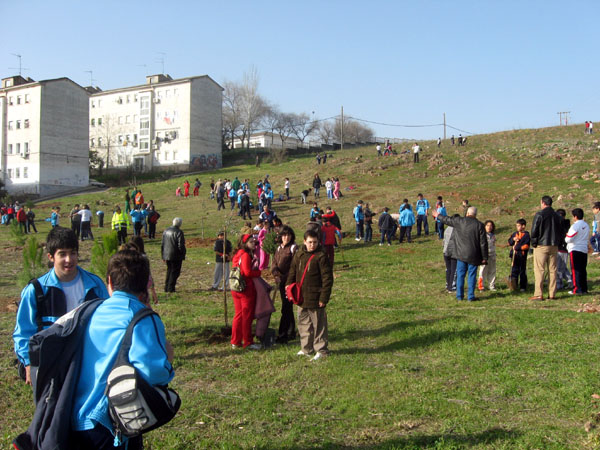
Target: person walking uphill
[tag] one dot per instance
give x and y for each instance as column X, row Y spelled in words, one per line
column 173, row 253
column 470, row 249
column 316, row 291
column 545, row 238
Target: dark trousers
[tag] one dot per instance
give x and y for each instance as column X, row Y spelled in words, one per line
column 579, row 271
column 246, row 211
column 519, row 270
column 360, row 229
column 422, row 221
column 440, row 230
column 76, row 227
column 405, row 231
column 100, row 438
column 122, row 235
column 30, row 225
column 23, row 227
column 450, row 273
column 86, row 230
column 100, row 220
column 173, row 272
column 329, row 250
column 137, row 228
column 368, row 232
column 220, row 203
column 232, row 201
column 151, row 230
column 386, row 234
column 287, row 325
column 415, row 157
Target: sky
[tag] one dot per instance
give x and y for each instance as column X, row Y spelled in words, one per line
column 489, row 65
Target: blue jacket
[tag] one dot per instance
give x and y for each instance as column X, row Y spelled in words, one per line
column 422, row 206
column 101, row 344
column 407, row 218
column 358, row 213
column 442, row 211
column 136, row 216
column 55, row 307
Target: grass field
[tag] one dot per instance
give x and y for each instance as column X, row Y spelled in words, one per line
column 410, row 367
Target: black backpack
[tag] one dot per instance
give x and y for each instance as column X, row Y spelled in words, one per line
column 55, row 358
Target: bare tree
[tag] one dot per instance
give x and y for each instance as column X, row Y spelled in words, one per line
column 354, row 131
column 326, row 132
column 270, row 119
column 283, row 127
column 104, row 138
column 253, row 106
column 232, row 115
column 303, row 126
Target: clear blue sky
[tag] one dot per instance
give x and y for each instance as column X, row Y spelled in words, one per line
column 489, row 65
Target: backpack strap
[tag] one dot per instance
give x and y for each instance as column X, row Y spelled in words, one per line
column 123, row 356
column 39, row 299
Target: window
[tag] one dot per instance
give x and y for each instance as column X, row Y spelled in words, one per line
column 18, row 124
column 175, row 92
column 91, row 142
column 10, row 125
column 26, row 123
column 10, row 149
column 99, row 121
column 128, row 99
column 135, row 97
column 166, row 156
column 135, row 138
column 174, row 155
column 157, row 155
column 99, row 142
column 168, row 93
column 135, row 118
column 93, row 122
column 145, row 124
column 120, row 120
column 17, row 173
column 26, row 148
column 18, row 152
column 19, row 98
column 10, row 100
column 93, row 103
column 27, row 98
column 99, row 103
column 25, row 175
column 10, row 173
column 144, row 144
column 127, row 119
column 120, row 139
column 127, row 136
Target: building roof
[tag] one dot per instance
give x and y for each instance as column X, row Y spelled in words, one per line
column 25, row 83
column 166, row 82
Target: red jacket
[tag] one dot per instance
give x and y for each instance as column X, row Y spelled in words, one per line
column 21, row 215
column 243, row 260
column 328, row 231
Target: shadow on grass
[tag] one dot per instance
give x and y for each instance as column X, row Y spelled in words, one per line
column 444, row 440
column 425, row 340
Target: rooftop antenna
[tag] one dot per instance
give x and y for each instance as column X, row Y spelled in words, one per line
column 21, row 68
column 145, row 66
column 161, row 60
column 91, row 72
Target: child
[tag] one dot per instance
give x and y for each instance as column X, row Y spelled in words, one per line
column 263, row 256
column 407, row 220
column 441, row 210
column 595, row 240
column 54, row 217
column 178, row 191
column 329, row 231
column 562, row 259
column 153, row 217
column 488, row 271
column 63, row 288
column 305, row 193
column 222, row 249
column 287, row 188
column 577, row 244
column 314, row 212
column 31, row 221
column 316, row 290
column 520, row 242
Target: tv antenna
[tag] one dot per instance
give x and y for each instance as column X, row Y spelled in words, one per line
column 91, row 72
column 20, row 68
column 560, row 117
column 161, row 60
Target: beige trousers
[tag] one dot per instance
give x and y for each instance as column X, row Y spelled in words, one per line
column 545, row 255
column 312, row 328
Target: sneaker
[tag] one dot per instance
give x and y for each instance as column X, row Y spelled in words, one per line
column 301, row 353
column 357, row 239
column 522, row 290
column 318, row 356
column 234, row 347
column 380, row 244
column 254, row 347
column 493, row 289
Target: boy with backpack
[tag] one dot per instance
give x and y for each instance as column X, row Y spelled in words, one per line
column 57, row 292
column 520, row 242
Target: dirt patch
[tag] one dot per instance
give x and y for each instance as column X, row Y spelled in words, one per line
column 9, row 304
column 199, row 242
column 404, row 250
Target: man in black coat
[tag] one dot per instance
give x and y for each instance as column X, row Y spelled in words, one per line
column 470, row 249
column 546, row 234
column 173, row 253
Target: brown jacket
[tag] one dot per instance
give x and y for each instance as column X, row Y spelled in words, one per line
column 282, row 261
column 319, row 276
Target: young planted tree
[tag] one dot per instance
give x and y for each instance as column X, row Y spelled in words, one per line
column 33, row 262
column 101, row 253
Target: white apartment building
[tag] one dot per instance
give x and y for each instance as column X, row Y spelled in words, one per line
column 163, row 124
column 43, row 136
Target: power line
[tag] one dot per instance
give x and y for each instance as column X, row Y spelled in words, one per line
column 394, row 124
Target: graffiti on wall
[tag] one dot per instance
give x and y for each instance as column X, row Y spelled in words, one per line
column 210, row 161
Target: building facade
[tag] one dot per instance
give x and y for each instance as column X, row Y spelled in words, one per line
column 43, row 136
column 163, row 124
column 266, row 139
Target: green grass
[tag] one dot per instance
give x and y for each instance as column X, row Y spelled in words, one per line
column 410, row 367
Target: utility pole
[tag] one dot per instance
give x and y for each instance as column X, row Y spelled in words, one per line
column 444, row 126
column 560, row 116
column 342, row 130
